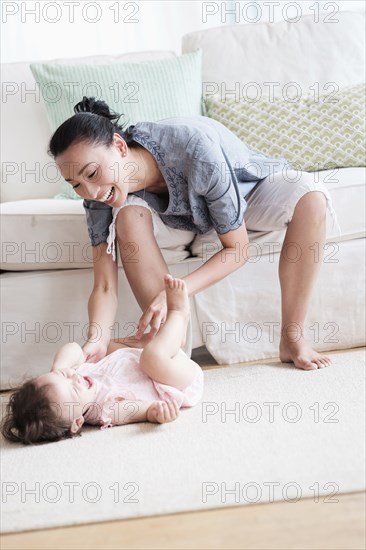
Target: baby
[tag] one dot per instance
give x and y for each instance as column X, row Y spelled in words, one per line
column 137, row 381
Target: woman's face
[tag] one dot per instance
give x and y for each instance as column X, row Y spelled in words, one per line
column 71, row 394
column 99, row 173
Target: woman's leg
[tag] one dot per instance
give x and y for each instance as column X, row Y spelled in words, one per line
column 141, row 257
column 140, row 235
column 162, row 359
column 305, row 232
column 297, row 202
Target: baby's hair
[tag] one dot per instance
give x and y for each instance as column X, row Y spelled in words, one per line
column 30, row 417
column 93, row 122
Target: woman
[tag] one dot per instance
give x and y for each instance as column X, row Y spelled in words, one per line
column 186, row 174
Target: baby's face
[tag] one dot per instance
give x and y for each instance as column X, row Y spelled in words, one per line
column 70, row 391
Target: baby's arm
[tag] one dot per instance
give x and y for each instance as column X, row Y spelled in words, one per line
column 69, row 356
column 163, row 411
column 128, row 412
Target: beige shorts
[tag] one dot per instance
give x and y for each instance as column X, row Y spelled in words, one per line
column 270, row 207
column 271, row 203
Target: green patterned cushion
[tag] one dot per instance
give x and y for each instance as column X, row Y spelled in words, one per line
column 144, row 91
column 311, row 134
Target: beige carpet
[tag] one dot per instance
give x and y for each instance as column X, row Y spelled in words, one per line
column 293, row 434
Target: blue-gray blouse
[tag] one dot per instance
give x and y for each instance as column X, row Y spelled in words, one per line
column 208, row 171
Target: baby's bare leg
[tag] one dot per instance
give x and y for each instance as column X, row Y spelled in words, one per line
column 171, row 335
column 162, row 358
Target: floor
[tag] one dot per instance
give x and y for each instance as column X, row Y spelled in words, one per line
column 304, row 525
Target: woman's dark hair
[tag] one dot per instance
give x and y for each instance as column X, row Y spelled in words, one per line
column 30, row 418
column 93, row 122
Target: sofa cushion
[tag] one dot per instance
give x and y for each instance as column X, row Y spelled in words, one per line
column 27, row 172
column 150, row 90
column 313, row 133
column 52, row 234
column 347, row 188
column 304, row 54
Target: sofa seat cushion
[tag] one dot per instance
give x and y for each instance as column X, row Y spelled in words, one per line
column 347, row 189
column 52, row 234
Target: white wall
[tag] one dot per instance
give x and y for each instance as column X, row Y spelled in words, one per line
column 262, row 11
column 66, row 28
column 46, row 29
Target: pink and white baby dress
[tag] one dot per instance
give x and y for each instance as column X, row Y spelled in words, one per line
column 119, row 375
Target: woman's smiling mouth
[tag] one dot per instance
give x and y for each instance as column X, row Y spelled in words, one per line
column 108, row 196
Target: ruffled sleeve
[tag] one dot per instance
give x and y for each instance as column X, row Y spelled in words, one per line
column 109, row 409
column 108, row 412
column 102, row 413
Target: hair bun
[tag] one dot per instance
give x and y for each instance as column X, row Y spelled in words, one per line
column 95, row 106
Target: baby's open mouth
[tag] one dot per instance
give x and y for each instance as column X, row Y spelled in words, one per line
column 89, row 381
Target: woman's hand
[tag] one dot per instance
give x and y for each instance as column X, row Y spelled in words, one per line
column 154, row 316
column 163, row 411
column 94, row 351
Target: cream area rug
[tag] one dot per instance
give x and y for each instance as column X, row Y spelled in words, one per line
column 261, row 433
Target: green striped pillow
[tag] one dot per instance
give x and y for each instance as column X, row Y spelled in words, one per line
column 145, row 91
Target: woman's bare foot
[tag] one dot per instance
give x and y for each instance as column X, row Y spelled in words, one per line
column 302, row 355
column 177, row 299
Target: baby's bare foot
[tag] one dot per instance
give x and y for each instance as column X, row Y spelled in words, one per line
column 177, row 301
column 176, row 294
column 302, row 355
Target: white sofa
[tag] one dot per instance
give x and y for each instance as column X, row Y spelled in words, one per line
column 46, row 276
